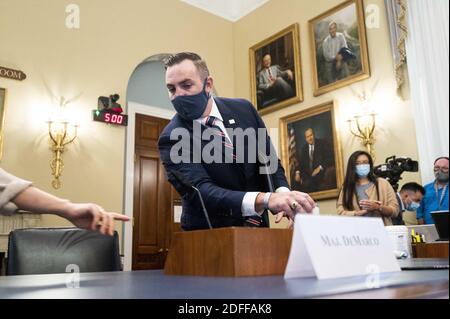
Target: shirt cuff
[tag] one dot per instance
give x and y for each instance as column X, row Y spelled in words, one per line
column 248, row 204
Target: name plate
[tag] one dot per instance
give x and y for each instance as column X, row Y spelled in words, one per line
column 337, row 246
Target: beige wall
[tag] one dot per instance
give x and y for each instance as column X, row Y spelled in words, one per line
column 395, row 134
column 114, row 37
column 97, row 59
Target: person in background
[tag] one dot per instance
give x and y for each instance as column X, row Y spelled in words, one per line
column 436, row 193
column 408, row 198
column 363, row 194
column 18, row 194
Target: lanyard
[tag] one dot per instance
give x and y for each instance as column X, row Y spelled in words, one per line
column 442, row 195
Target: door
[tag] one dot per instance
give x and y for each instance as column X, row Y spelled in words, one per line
column 152, row 211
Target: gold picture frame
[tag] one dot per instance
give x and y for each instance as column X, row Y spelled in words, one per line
column 2, row 117
column 279, row 84
column 317, row 171
column 339, row 34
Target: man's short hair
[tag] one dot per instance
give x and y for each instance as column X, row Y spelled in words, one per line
column 413, row 187
column 439, row 158
column 331, row 23
column 199, row 63
column 309, row 129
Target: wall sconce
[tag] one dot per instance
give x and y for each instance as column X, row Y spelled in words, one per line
column 60, row 137
column 365, row 127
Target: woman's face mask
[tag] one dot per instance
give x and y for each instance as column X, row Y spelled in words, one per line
column 362, row 170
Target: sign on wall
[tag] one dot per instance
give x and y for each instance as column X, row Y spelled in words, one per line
column 12, row 74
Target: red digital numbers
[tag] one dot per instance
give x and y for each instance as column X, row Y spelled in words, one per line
column 113, row 118
column 110, row 117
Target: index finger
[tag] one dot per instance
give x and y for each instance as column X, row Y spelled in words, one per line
column 121, row 217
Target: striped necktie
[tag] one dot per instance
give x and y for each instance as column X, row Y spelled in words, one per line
column 212, row 121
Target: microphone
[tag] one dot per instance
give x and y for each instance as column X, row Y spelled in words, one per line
column 185, row 183
column 264, row 160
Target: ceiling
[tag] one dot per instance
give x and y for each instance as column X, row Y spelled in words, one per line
column 231, row 10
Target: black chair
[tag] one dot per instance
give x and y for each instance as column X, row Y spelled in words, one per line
column 60, row 250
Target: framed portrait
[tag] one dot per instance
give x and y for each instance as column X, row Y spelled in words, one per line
column 311, row 151
column 339, row 47
column 275, row 74
column 2, row 117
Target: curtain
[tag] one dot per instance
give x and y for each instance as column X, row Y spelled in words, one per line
column 428, row 59
column 396, row 16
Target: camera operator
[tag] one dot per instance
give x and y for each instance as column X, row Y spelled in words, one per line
column 436, row 193
column 408, row 198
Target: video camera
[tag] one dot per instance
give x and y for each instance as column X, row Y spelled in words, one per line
column 394, row 167
column 109, row 104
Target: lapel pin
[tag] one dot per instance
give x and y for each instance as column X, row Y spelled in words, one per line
column 231, row 121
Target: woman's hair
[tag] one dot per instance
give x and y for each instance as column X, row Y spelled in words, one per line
column 349, row 186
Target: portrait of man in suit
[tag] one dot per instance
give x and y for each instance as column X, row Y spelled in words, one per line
column 312, row 152
column 231, row 189
column 274, row 84
column 316, row 164
column 275, row 73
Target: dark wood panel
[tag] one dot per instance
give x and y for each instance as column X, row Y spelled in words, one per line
column 152, row 197
column 431, row 250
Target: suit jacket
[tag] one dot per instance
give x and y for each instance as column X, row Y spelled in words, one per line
column 222, row 185
column 263, row 78
column 323, row 155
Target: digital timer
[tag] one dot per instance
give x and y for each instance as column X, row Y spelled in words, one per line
column 110, row 117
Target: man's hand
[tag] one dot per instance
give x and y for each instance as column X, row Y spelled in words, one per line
column 338, row 61
column 289, row 203
column 272, row 82
column 93, row 217
column 280, row 216
column 298, row 177
column 316, row 171
column 290, row 75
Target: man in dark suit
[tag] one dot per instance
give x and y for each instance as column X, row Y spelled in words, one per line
column 234, row 191
column 316, row 163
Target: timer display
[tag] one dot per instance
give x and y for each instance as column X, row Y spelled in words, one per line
column 110, row 117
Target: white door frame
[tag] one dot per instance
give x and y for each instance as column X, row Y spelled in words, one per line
column 133, row 109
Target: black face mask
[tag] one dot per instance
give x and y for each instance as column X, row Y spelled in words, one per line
column 191, row 107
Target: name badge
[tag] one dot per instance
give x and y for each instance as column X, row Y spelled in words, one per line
column 338, row 246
